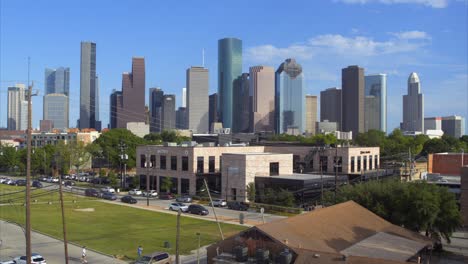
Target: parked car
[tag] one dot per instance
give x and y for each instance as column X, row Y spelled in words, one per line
column 155, row 258
column 108, row 196
column 219, row 203
column 151, row 193
column 134, row 192
column 35, row 259
column 69, row 183
column 10, row 182
column 92, row 192
column 37, row 184
column 2, row 180
column 184, row 199
column 236, row 205
column 176, row 206
column 108, row 189
column 8, row 262
column 197, row 209
column 20, row 183
column 128, row 199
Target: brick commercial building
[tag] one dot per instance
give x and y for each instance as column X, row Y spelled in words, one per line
column 188, row 164
column 446, row 163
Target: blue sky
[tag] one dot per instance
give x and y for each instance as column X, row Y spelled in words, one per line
column 395, row 37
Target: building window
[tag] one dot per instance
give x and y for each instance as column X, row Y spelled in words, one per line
column 352, row 164
column 153, row 161
column 173, row 162
column 324, row 163
column 274, row 168
column 364, row 166
column 185, row 163
column 200, row 161
column 338, row 162
column 162, row 162
column 142, row 161
column 376, row 161
column 211, row 164
column 370, row 163
column 359, row 163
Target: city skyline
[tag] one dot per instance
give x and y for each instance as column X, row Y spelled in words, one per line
column 425, row 49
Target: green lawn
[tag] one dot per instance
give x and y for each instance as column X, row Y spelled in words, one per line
column 116, row 229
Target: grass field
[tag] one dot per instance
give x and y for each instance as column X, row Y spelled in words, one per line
column 114, row 229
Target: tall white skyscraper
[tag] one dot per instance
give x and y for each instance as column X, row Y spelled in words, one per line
column 17, row 108
column 184, row 97
column 413, row 106
column 197, row 99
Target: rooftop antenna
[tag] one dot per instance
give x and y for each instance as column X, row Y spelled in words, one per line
column 203, row 58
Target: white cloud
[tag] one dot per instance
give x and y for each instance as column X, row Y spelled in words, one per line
column 430, row 3
column 414, row 34
column 337, row 44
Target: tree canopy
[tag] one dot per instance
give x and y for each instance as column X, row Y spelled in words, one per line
column 316, row 140
column 419, row 206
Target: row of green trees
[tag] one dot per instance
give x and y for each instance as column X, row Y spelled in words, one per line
column 396, row 143
column 315, row 140
column 418, row 206
column 75, row 155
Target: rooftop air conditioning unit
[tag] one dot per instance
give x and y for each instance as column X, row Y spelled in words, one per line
column 240, row 252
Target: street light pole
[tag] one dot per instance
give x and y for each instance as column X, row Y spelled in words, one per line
column 198, row 249
column 28, row 177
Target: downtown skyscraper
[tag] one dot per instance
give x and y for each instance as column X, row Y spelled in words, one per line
column 290, row 98
column 197, row 100
column 330, row 106
column 375, row 102
column 56, row 99
column 413, row 106
column 130, row 104
column 262, row 88
column 156, row 96
column 88, row 91
column 229, row 69
column 352, row 85
column 17, row 115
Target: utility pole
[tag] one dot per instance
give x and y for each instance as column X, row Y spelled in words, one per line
column 147, row 164
column 198, row 248
column 65, row 242
column 28, row 176
column 336, row 170
column 178, row 236
column 321, row 180
column 214, row 212
column 123, row 157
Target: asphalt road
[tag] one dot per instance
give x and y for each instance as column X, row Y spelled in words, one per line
column 13, row 245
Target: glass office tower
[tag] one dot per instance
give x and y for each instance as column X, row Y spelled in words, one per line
column 229, row 69
column 375, row 108
column 290, row 98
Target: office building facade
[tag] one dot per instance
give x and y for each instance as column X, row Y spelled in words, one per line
column 184, row 97
column 290, row 98
column 115, row 107
column 242, row 104
column 197, row 99
column 229, row 69
column 57, row 81
column 352, row 112
column 213, row 109
column 168, row 112
column 330, row 105
column 311, row 114
column 453, row 126
column 156, row 103
column 181, row 118
column 375, row 102
column 56, row 109
column 17, row 108
column 262, row 89
column 88, row 86
column 133, row 94
column 413, row 106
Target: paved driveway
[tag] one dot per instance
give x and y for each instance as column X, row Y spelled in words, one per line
column 13, row 245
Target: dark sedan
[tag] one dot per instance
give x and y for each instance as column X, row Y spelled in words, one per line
column 37, row 184
column 108, row 196
column 92, row 193
column 128, row 199
column 197, row 209
column 166, row 196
